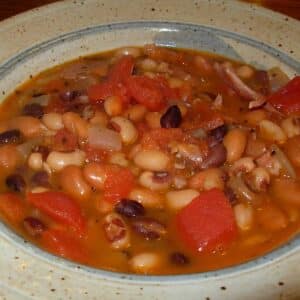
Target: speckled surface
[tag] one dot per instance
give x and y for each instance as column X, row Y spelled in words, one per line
column 47, row 36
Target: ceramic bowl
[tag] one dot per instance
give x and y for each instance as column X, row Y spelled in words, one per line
column 53, row 34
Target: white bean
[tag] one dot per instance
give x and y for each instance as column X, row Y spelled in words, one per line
column 58, row 160
column 244, row 216
column 207, row 179
column 245, row 72
column 148, row 64
column 153, row 160
column 135, row 113
column 145, row 262
column 113, row 106
column 53, row 121
column 119, row 158
column 177, row 200
column 147, row 198
column 291, row 126
column 272, row 132
column 128, row 132
column 243, row 165
column 147, row 180
column 39, row 189
column 35, row 161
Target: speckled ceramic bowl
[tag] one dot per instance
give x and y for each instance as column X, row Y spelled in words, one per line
column 44, row 37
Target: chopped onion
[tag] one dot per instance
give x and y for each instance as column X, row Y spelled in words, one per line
column 277, row 79
column 107, row 139
column 285, row 163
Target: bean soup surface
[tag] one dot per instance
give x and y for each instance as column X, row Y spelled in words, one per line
column 153, row 160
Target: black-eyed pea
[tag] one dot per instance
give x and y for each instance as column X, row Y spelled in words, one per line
column 127, row 130
column 113, row 106
column 59, row 160
column 176, row 200
column 72, row 182
column 95, row 174
column 35, row 161
column 258, row 179
column 74, row 123
column 207, row 179
column 235, row 143
column 145, row 263
column 155, row 181
column 272, row 132
column 253, row 117
column 291, row 126
column 53, row 121
column 135, row 113
column 152, row 160
column 243, row 165
column 149, row 199
column 244, row 216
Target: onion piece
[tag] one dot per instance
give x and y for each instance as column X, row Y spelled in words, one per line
column 277, row 79
column 107, row 139
column 284, row 161
column 240, row 189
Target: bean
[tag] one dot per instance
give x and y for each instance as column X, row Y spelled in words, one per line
column 129, row 208
column 153, row 119
column 39, row 189
column 147, row 198
column 95, row 174
column 135, row 113
column 244, row 216
column 235, row 144
column 102, row 206
column 207, row 179
column 10, row 137
column 53, row 121
column 73, row 183
column 113, row 106
column 179, row 259
column 152, row 181
column 255, row 147
column 58, row 160
column 116, row 231
column 190, row 152
column 119, row 158
column 286, row 190
column 176, row 200
column 243, row 165
column 149, row 228
column 33, row 226
column 216, row 157
column 35, row 161
column 258, row 179
column 100, row 118
column 292, row 150
column 74, row 123
column 10, row 158
column 254, row 117
column 245, row 72
column 171, row 118
column 15, row 182
column 179, row 182
column 175, row 82
column 145, row 262
column 272, row 132
column 40, row 178
column 291, row 126
column 29, row 126
column 152, row 160
column 34, row 110
column 216, row 135
column 127, row 130
column 148, row 64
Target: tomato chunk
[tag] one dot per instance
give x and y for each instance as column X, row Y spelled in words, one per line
column 122, row 69
column 12, row 207
column 118, row 184
column 287, row 98
column 146, row 91
column 63, row 244
column 60, row 207
column 64, row 140
column 207, row 222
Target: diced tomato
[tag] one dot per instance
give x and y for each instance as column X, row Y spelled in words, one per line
column 64, row 140
column 55, row 85
column 122, row 69
column 62, row 243
column 207, row 222
column 118, row 184
column 60, row 208
column 146, row 91
column 287, row 98
column 168, row 93
column 95, row 154
column 12, row 207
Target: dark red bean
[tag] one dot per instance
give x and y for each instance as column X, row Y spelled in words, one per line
column 33, row 110
column 129, row 208
column 33, row 226
column 40, row 179
column 178, row 258
column 15, row 182
column 216, row 136
column 149, row 228
column 216, row 157
column 10, row 137
column 171, row 118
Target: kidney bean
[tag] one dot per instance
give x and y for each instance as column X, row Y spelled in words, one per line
column 171, row 118
column 129, row 208
column 10, row 137
column 34, row 110
column 149, row 228
column 216, row 136
column 216, row 157
column 15, row 182
column 40, row 179
column 33, row 226
column 179, row 258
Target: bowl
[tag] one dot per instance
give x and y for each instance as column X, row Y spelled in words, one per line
column 53, row 34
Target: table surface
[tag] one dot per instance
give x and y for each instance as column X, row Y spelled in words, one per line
column 13, row 7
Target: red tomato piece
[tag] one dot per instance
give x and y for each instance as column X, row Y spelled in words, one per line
column 63, row 244
column 287, row 98
column 146, row 91
column 64, row 140
column 60, row 208
column 94, row 154
column 122, row 69
column 12, row 207
column 207, row 222
column 118, row 184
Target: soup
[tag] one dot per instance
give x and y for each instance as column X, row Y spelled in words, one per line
column 153, row 160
